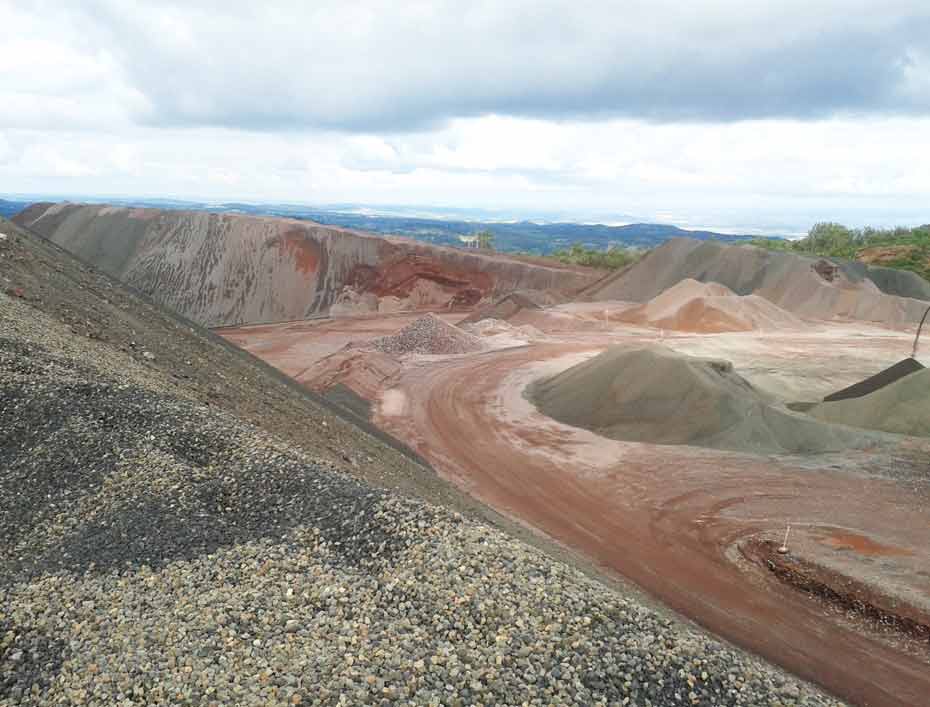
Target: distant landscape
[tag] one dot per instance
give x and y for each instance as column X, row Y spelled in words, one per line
column 522, row 236
column 596, row 245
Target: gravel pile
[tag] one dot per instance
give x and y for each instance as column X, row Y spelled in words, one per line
column 428, row 335
column 660, row 396
column 158, row 551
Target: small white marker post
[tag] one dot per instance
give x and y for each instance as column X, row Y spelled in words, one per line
column 784, row 546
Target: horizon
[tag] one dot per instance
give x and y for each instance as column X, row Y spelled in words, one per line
column 475, row 214
column 763, row 119
column 437, row 212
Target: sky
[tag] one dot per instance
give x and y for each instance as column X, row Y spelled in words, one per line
column 739, row 115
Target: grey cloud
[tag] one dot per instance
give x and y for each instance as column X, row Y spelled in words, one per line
column 388, row 66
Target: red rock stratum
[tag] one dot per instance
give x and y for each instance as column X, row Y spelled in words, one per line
column 224, row 269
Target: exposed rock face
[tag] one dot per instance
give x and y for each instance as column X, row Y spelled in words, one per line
column 225, row 269
column 806, row 286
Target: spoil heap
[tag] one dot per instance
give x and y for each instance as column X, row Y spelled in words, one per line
column 157, row 549
column 428, row 335
column 514, row 302
column 902, row 407
column 709, row 308
column 808, row 287
column 658, row 396
column 227, row 269
column 885, row 377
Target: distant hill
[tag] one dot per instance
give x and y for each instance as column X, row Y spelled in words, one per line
column 519, row 236
column 9, row 208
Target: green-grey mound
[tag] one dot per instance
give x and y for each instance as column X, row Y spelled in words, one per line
column 902, row 407
column 658, row 396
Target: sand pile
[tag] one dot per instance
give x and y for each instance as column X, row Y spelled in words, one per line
column 805, row 286
column 658, row 396
column 428, row 335
column 902, row 407
column 708, row 307
column 885, row 377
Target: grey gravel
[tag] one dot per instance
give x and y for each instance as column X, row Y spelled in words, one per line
column 159, row 551
column 428, row 335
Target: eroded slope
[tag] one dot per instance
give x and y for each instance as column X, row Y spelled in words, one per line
column 228, row 269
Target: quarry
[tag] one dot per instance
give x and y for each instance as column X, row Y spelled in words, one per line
column 416, row 474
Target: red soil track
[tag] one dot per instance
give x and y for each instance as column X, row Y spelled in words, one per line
column 669, row 518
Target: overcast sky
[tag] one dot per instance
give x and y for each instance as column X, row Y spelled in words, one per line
column 726, row 113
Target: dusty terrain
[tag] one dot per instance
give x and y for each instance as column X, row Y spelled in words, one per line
column 682, row 521
column 184, row 525
column 695, row 524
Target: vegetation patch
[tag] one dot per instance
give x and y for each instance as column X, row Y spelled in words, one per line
column 612, row 258
column 901, row 248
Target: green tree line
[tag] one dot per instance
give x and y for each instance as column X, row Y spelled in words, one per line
column 613, row 258
column 827, row 239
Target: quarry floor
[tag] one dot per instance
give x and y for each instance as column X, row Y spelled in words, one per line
column 674, row 519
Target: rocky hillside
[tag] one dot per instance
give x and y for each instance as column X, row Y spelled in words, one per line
column 183, row 526
column 227, row 269
column 810, row 287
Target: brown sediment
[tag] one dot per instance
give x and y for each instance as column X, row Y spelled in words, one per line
column 670, row 518
column 881, row 613
column 665, row 517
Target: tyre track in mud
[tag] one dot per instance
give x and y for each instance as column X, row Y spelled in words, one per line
column 665, row 518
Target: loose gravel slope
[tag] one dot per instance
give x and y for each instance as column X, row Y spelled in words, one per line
column 158, row 550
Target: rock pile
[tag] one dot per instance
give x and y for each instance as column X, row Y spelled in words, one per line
column 428, row 335
column 903, row 407
column 157, row 551
column 799, row 284
column 658, row 396
column 708, row 307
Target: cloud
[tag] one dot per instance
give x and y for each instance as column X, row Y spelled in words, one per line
column 774, row 172
column 381, row 66
column 784, row 112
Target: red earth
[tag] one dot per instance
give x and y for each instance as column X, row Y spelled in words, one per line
column 673, row 519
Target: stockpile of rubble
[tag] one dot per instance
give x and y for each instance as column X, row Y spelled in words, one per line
column 428, row 335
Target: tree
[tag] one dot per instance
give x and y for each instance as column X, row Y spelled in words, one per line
column 831, row 238
column 485, row 240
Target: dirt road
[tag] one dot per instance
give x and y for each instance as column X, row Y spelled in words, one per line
column 668, row 518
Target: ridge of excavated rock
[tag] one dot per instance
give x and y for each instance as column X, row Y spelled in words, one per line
column 222, row 269
column 808, row 287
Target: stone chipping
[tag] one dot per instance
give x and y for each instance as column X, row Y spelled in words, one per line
column 428, row 335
